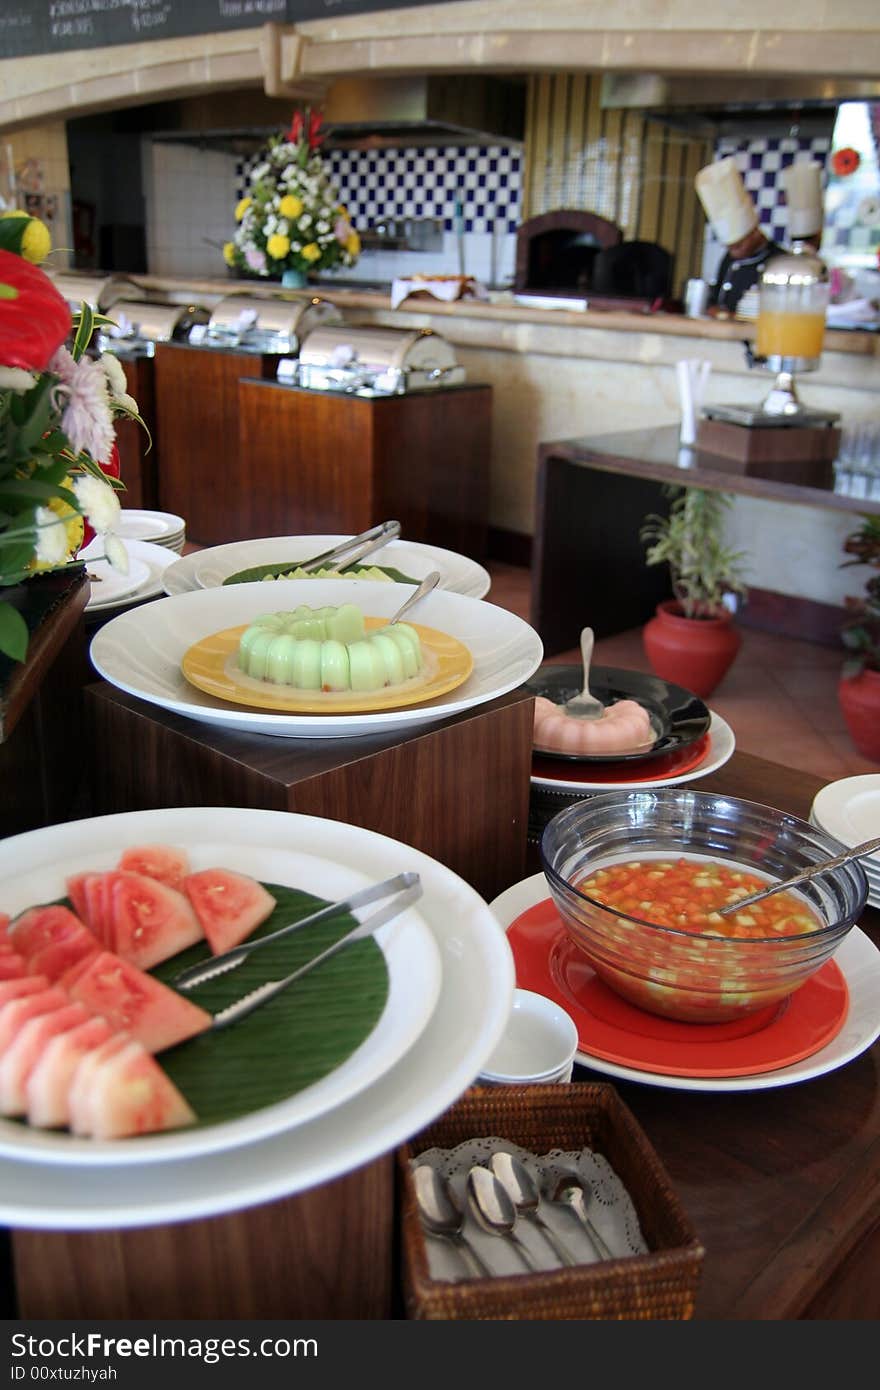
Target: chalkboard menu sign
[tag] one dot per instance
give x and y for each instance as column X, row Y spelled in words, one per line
column 53, row 26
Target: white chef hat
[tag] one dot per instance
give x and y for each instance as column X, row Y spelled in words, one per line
column 726, row 201
column 802, row 185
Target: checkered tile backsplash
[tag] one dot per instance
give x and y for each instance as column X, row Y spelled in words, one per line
column 426, row 182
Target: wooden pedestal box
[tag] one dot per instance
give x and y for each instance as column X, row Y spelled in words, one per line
column 458, row 791
column 324, row 462
column 801, row 454
column 199, row 475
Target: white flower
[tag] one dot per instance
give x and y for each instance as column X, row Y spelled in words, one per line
column 116, row 553
column 323, row 227
column 85, row 404
column 282, row 226
column 305, row 221
column 115, row 374
column 126, row 402
column 98, row 500
column 259, row 172
column 16, row 379
column 51, row 546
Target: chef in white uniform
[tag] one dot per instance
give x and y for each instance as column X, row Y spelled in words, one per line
column 734, row 218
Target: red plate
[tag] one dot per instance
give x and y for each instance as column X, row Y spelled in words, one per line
column 548, row 962
column 669, row 765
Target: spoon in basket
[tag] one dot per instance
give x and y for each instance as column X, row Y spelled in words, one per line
column 866, row 847
column 442, row 1216
column 573, row 1192
column 585, row 705
column 523, row 1191
column 494, row 1209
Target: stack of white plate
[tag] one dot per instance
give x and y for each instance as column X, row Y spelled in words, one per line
column 161, row 528
column 849, row 809
column 112, row 591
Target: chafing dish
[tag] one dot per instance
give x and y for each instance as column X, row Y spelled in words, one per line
column 137, row 327
column 251, row 324
column 370, row 361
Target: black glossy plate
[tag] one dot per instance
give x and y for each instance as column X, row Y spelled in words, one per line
column 678, row 716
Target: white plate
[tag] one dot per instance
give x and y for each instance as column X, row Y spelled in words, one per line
column 157, row 559
column 207, row 568
column 849, row 809
column 141, row 650
column 720, row 748
column 871, row 874
column 856, row 956
column 138, row 525
column 411, row 955
column 476, row 993
column 108, row 585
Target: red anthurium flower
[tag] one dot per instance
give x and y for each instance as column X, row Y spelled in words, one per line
column 34, row 317
column 314, row 127
column 845, row 161
column 294, row 135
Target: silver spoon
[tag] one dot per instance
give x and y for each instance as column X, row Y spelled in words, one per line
column 573, row 1193
column 585, row 705
column 442, row 1216
column 494, row 1210
column 429, row 582
column 866, row 847
column 523, row 1191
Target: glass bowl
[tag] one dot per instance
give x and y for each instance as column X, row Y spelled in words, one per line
column 684, row 975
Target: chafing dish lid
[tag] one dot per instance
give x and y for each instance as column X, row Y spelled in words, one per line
column 377, row 349
column 239, row 313
column 157, row 323
column 98, row 291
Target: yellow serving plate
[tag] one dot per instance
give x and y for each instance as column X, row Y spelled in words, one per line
column 209, row 665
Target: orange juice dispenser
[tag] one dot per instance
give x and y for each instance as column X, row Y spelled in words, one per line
column 790, row 329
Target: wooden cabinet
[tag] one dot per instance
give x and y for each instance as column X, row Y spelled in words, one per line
column 323, row 461
column 197, row 421
column 138, row 450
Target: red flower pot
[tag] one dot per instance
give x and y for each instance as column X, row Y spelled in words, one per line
column 859, row 698
column 692, row 652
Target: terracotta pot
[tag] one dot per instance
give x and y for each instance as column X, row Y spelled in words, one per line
column 859, row 698
column 692, row 652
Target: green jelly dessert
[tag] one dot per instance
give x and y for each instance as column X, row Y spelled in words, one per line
column 328, row 649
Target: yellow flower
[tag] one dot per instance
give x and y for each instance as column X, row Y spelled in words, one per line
column 241, row 208
column 27, row 236
column 290, row 206
column 342, row 210
column 73, row 529
column 353, row 243
column 229, row 252
column 278, row 246
column 312, row 252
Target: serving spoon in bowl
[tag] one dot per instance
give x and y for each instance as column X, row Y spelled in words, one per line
column 866, row 847
column 585, row 705
column 429, row 582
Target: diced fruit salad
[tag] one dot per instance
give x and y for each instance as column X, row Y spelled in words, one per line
column 686, row 894
column 80, row 1017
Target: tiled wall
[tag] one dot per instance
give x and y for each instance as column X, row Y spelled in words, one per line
column 190, row 202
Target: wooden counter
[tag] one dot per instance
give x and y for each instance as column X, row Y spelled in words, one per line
column 592, row 496
column 139, row 450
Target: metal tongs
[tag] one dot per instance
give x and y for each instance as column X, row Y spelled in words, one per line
column 403, row 889
column 355, row 548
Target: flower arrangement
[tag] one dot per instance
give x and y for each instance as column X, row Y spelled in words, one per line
column 690, row 541
column 291, row 219
column 57, row 436
column 861, row 629
column 845, row 161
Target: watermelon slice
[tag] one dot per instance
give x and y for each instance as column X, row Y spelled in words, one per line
column 163, row 862
column 24, row 1050
column 81, row 1090
column 12, row 966
column 134, row 1002
column 228, row 905
column 48, row 1085
column 19, row 986
column 148, row 922
column 42, row 926
column 4, row 924
column 97, row 905
column 125, row 1093
column 17, row 1012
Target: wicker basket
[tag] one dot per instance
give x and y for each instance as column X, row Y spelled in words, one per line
column 660, row 1284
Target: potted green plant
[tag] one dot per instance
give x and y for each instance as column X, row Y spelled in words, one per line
column 859, row 685
column 692, row 639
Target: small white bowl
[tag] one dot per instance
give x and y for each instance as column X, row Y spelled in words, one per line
column 538, row 1044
